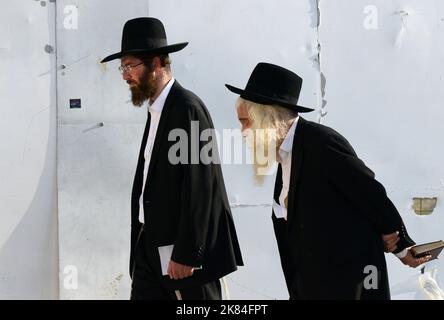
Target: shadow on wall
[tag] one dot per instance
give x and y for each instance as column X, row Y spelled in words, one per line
column 29, row 258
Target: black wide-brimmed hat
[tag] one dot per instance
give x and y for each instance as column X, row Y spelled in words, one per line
column 144, row 35
column 272, row 85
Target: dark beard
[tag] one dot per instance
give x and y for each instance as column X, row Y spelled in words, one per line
column 146, row 88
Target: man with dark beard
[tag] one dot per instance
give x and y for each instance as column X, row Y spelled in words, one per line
column 183, row 239
column 332, row 219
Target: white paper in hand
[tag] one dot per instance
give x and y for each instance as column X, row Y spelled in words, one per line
column 165, row 257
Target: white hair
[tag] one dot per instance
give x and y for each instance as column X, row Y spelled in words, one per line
column 269, row 127
column 268, row 117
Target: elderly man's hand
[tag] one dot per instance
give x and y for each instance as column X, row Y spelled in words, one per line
column 413, row 262
column 179, row 271
column 390, row 241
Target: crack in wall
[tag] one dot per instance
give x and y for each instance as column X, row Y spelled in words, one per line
column 322, row 80
column 31, row 122
column 249, row 205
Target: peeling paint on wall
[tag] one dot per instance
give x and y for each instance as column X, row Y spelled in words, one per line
column 322, row 103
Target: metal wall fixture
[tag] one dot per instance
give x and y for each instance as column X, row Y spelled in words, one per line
column 424, row 206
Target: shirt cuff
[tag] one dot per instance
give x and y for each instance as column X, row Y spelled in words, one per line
column 401, row 254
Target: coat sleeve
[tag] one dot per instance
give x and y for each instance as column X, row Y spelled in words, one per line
column 196, row 217
column 357, row 183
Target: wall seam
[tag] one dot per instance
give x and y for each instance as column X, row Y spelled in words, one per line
column 322, row 103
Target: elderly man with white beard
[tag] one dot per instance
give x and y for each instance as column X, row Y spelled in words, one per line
column 332, row 219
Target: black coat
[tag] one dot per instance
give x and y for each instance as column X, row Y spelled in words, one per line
column 185, row 204
column 337, row 213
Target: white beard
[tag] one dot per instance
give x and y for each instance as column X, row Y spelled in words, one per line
column 263, row 152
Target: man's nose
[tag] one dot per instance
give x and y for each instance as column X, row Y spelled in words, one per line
column 126, row 76
column 245, row 125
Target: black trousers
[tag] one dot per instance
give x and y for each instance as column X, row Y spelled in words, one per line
column 147, row 275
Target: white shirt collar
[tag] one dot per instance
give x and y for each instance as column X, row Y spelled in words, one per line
column 287, row 144
column 158, row 104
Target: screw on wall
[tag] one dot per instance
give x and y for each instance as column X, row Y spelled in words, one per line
column 49, row 49
column 62, row 67
column 99, row 125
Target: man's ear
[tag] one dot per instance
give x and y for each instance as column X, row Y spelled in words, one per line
column 156, row 63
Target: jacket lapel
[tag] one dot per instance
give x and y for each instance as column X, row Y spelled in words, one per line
column 141, row 159
column 278, row 184
column 296, row 162
column 138, row 177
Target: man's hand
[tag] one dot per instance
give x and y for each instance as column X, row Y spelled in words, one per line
column 410, row 261
column 390, row 241
column 179, row 271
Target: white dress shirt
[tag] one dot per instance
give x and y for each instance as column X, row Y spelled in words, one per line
column 284, row 158
column 155, row 108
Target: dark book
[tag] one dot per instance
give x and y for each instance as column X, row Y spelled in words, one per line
column 432, row 248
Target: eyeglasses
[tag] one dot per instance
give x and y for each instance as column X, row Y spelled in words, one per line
column 128, row 68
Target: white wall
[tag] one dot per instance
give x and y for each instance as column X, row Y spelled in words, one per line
column 381, row 91
column 227, row 39
column 28, row 215
column 96, row 164
column 383, row 72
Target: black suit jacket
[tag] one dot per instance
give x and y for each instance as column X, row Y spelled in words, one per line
column 337, row 213
column 185, row 204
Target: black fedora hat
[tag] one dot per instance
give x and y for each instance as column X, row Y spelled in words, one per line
column 144, row 35
column 272, row 85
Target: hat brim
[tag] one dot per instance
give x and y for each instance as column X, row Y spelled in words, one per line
column 258, row 98
column 167, row 49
